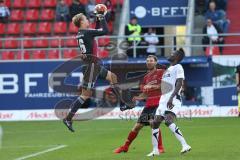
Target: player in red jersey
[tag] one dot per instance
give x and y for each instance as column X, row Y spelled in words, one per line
column 151, row 92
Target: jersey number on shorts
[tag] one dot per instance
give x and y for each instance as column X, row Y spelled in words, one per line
column 82, row 46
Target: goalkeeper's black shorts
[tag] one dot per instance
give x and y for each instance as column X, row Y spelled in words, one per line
column 91, row 72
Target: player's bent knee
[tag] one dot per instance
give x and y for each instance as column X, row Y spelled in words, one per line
column 156, row 123
column 168, row 123
column 85, row 97
column 151, row 123
column 112, row 77
column 169, row 119
column 86, row 94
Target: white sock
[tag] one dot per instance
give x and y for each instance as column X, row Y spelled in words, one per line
column 155, row 135
column 174, row 128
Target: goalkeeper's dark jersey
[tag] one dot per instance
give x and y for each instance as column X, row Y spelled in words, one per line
column 85, row 37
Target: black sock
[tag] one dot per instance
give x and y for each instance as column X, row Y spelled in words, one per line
column 117, row 91
column 124, row 96
column 74, row 108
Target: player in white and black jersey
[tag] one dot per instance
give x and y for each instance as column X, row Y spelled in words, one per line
column 171, row 86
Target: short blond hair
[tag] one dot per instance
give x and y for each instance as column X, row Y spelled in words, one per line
column 76, row 20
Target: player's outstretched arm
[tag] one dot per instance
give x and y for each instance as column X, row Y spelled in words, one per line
column 103, row 24
column 100, row 31
column 140, row 97
column 150, row 87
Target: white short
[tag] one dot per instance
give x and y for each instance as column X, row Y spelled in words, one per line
column 162, row 108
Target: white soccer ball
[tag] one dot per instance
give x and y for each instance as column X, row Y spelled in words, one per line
column 101, row 9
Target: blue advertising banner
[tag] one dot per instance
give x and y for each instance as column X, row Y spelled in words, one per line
column 152, row 13
column 226, row 96
column 24, row 85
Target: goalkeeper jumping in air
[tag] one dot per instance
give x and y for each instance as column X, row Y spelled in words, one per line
column 92, row 70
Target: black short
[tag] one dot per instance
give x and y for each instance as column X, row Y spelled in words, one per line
column 91, row 73
column 146, row 115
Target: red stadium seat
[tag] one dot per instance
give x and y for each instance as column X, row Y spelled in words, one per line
column 71, row 42
column 17, row 15
column 32, row 15
column 19, row 4
column 98, row 1
column 70, row 53
column 39, row 54
column 34, row 4
column 8, row 55
column 50, row 3
column 60, row 27
column 53, row 54
column 29, row 28
column 7, row 3
column 103, row 53
column 41, row 43
column 55, row 42
column 214, row 50
column 68, row 2
column 26, row 55
column 114, row 2
column 44, row 27
column 103, row 41
column 13, row 28
column 11, row 43
column 121, row 2
column 28, row 43
column 72, row 28
column 84, row 2
column 47, row 14
column 2, row 28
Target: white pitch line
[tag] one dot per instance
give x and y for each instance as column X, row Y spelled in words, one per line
column 42, row 152
column 38, row 146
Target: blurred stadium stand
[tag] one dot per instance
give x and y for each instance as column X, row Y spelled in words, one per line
column 36, row 18
column 232, row 38
column 233, row 15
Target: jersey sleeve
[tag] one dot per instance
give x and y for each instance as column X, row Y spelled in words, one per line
column 143, row 83
column 160, row 74
column 180, row 72
column 102, row 28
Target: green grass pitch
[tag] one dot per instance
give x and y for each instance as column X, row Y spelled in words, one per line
column 210, row 138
